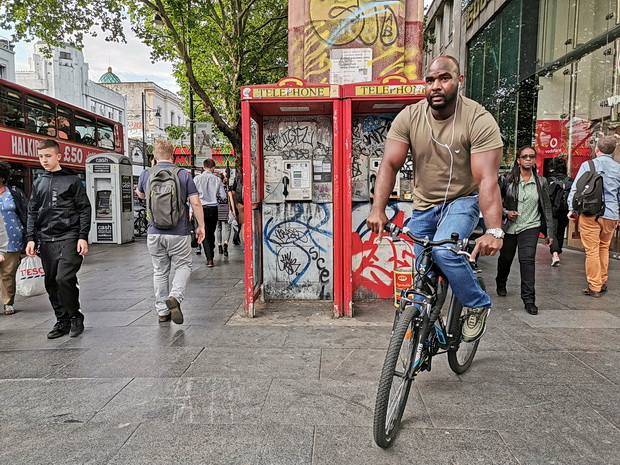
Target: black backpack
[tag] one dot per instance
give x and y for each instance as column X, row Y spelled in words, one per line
column 559, row 188
column 164, row 205
column 588, row 199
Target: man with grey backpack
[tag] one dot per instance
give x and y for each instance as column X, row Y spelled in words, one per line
column 167, row 189
column 594, row 199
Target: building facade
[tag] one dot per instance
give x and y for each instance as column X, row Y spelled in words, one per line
column 64, row 76
column 7, row 60
column 548, row 70
column 161, row 108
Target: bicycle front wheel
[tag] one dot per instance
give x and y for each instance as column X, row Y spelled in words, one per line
column 461, row 354
column 394, row 384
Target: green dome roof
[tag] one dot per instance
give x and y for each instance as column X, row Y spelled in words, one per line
column 109, row 77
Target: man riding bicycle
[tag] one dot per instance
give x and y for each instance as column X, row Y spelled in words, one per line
column 456, row 148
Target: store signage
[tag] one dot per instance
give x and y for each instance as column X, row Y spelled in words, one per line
column 473, row 10
column 104, row 232
column 390, row 90
column 290, row 92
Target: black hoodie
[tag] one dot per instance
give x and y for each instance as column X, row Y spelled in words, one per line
column 59, row 208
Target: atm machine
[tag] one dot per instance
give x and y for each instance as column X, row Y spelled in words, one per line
column 110, row 191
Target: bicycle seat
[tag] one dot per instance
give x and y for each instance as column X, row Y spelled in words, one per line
column 476, row 233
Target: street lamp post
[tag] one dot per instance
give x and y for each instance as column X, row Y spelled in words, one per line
column 145, row 109
column 192, row 122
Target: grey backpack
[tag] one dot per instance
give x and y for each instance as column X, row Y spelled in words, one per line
column 164, row 205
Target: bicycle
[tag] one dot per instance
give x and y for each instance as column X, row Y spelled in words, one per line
column 419, row 333
column 140, row 223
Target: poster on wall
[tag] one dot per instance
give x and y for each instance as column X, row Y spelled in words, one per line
column 350, row 65
column 203, row 142
column 126, row 193
column 551, row 138
column 104, row 232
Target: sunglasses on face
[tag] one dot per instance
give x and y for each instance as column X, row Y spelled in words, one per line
column 523, row 157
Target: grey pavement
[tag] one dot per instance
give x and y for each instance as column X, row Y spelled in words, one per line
column 294, row 386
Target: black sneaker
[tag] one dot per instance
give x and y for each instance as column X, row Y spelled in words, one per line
column 77, row 326
column 60, row 329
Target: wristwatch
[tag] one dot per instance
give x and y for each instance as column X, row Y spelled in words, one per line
column 497, row 233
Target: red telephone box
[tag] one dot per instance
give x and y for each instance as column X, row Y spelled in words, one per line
column 292, row 193
column 368, row 111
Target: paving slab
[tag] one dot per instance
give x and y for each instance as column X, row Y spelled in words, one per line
column 55, row 400
column 343, row 337
column 100, row 319
column 238, row 362
column 248, row 337
column 75, row 444
column 551, row 368
column 35, row 338
column 130, row 362
column 605, row 363
column 324, row 402
column 115, row 336
column 343, row 446
column 188, row 400
column 572, row 319
column 604, row 399
column 221, row 445
column 576, row 447
column 35, row 363
column 515, row 407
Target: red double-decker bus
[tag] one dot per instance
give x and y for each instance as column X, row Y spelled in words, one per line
column 27, row 116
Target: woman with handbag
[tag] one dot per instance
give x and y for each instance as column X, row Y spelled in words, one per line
column 527, row 213
column 13, row 206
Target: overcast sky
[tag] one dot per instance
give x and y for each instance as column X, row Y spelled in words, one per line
column 130, row 61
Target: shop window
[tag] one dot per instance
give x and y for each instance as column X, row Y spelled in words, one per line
column 556, row 29
column 85, row 129
column 105, row 135
column 11, row 108
column 592, row 19
column 41, row 116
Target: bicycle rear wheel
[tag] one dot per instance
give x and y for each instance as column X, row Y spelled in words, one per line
column 462, row 354
column 394, row 385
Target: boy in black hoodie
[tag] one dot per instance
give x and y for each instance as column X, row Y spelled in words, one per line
column 59, row 215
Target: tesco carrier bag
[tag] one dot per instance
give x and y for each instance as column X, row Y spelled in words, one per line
column 30, row 277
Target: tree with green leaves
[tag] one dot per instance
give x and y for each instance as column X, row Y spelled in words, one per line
column 216, row 46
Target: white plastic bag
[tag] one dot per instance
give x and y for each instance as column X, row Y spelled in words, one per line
column 30, row 277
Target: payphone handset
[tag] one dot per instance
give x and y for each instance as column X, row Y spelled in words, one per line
column 373, row 168
column 287, row 180
column 297, row 179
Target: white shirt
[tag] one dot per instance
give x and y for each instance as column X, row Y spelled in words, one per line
column 209, row 186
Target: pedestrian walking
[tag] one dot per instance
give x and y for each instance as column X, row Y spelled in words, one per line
column 209, row 187
column 560, row 184
column 224, row 215
column 14, row 209
column 527, row 213
column 235, row 198
column 59, row 215
column 169, row 241
column 596, row 231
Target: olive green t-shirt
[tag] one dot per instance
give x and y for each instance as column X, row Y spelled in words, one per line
column 475, row 131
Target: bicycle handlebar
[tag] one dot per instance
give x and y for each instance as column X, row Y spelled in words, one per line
column 462, row 245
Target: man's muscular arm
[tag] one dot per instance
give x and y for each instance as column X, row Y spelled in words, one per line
column 484, row 168
column 394, row 157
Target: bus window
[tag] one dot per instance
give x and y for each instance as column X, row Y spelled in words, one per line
column 85, row 129
column 41, row 116
column 105, row 135
column 11, row 109
column 63, row 123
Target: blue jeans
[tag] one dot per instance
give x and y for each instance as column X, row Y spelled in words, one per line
column 459, row 216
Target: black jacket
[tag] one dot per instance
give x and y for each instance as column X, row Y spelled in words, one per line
column 21, row 204
column 510, row 198
column 59, row 208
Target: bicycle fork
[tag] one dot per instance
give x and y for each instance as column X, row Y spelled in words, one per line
column 419, row 357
